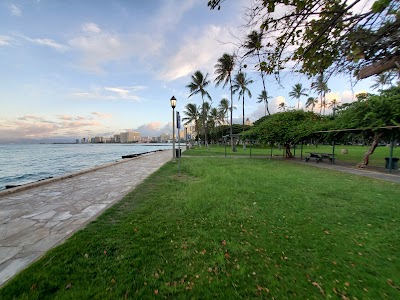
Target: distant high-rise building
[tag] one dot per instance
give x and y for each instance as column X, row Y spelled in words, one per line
column 130, row 137
column 98, row 139
column 117, row 138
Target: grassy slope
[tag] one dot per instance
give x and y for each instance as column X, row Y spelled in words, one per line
column 232, row 228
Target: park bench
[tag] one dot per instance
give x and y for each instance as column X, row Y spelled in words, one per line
column 319, row 156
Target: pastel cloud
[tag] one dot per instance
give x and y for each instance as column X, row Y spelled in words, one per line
column 195, row 53
column 91, row 27
column 102, row 115
column 5, row 40
column 154, row 128
column 34, row 126
column 110, row 93
column 98, row 47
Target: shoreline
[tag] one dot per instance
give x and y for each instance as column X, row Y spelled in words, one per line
column 44, row 181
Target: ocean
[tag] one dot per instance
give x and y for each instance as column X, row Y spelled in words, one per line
column 27, row 163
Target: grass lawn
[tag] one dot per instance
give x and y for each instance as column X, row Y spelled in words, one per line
column 232, row 228
column 355, row 153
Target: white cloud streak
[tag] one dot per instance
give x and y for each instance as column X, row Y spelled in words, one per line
column 111, row 94
column 45, row 42
column 15, row 10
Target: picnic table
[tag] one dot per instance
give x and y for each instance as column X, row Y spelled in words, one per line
column 318, row 156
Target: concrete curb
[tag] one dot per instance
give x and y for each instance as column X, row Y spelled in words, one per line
column 70, row 175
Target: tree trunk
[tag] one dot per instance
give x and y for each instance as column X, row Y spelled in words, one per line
column 370, row 151
column 231, row 132
column 204, row 125
column 244, row 144
column 262, row 78
column 288, row 153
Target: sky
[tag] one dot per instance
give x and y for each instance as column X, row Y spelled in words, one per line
column 75, row 69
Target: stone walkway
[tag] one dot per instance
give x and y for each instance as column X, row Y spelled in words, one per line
column 35, row 219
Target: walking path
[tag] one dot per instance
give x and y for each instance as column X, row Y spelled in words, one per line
column 35, row 219
column 356, row 171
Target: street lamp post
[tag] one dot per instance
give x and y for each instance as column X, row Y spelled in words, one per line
column 173, row 105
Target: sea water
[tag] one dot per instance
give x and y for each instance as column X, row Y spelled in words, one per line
column 26, row 163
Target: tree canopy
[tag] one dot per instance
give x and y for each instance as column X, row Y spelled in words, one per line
column 285, row 128
column 325, row 36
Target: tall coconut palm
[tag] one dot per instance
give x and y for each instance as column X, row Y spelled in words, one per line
column 297, row 92
column 324, row 105
column 224, row 108
column 198, row 85
column 263, row 97
column 333, row 104
column 320, row 85
column 254, row 44
column 192, row 116
column 282, row 106
column 240, row 85
column 311, row 101
column 381, row 80
column 223, row 70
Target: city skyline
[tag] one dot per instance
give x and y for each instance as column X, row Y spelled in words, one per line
column 99, row 67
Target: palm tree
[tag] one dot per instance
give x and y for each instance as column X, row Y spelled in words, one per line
column 311, row 101
column 198, row 85
column 240, row 84
column 381, row 80
column 333, row 104
column 263, row 97
column 254, row 44
column 321, row 86
column 224, row 69
column 282, row 106
column 323, row 105
column 224, row 107
column 297, row 92
column 193, row 114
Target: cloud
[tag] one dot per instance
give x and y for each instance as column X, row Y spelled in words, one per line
column 98, row 48
column 102, row 115
column 163, row 20
column 196, row 53
column 111, row 93
column 272, row 106
column 91, row 27
column 15, row 10
column 33, row 126
column 155, row 128
column 45, row 42
column 5, row 40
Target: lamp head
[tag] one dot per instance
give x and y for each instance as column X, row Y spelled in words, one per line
column 173, row 102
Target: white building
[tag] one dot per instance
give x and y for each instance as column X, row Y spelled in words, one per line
column 130, row 137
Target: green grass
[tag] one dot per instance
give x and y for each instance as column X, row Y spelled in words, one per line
column 355, row 153
column 232, row 228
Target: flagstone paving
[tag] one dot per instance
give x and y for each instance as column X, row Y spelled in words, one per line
column 33, row 220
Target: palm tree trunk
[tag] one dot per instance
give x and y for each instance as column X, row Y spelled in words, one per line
column 244, row 145
column 320, row 109
column 204, row 125
column 262, row 79
column 231, row 132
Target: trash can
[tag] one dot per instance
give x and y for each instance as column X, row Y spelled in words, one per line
column 394, row 166
column 178, row 153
